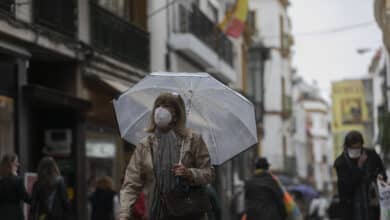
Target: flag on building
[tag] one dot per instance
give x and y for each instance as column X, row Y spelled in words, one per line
column 234, row 22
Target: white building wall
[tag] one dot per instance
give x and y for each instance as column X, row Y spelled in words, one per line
column 299, row 138
column 158, row 30
column 321, row 144
column 238, row 63
column 308, row 107
column 163, row 27
column 272, row 142
column 273, row 83
column 269, row 14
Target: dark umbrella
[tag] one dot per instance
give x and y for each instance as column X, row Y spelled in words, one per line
column 286, row 180
column 305, row 190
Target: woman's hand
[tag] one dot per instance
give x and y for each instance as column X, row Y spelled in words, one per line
column 181, row 170
column 362, row 159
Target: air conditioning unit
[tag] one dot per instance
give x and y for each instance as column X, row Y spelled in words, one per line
column 58, row 142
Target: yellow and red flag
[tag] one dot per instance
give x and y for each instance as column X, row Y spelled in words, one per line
column 234, row 22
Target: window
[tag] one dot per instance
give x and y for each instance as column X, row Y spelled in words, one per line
column 281, row 31
column 284, row 37
column 133, row 11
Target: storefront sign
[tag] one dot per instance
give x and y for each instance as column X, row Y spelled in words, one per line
column 100, row 149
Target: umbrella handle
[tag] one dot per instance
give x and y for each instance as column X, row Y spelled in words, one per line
column 181, row 152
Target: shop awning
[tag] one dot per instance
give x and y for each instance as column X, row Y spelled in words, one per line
column 54, row 97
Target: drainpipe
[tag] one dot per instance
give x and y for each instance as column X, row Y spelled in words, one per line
column 266, row 53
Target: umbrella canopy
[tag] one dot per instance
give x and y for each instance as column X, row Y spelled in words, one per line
column 306, row 190
column 223, row 117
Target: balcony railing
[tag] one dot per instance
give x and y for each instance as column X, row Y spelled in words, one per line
column 197, row 23
column 119, row 38
column 58, row 15
column 6, row 6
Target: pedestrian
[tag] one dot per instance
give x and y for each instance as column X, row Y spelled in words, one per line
column 49, row 196
column 12, row 190
column 171, row 156
column 263, row 195
column 104, row 201
column 138, row 211
column 357, row 171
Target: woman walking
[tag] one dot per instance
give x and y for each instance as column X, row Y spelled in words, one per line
column 12, row 190
column 104, row 200
column 357, row 170
column 170, row 156
column 49, row 198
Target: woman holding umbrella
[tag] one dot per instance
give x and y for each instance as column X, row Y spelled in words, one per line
column 169, row 156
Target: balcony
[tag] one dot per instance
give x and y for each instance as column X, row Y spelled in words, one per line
column 118, row 38
column 6, row 7
column 58, row 15
column 200, row 38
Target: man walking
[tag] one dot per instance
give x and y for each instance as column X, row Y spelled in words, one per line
column 263, row 195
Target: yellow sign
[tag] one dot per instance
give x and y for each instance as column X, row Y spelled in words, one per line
column 351, row 110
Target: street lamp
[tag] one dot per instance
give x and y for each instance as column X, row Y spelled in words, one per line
column 362, row 51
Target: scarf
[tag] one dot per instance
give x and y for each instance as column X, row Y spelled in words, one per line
column 166, row 153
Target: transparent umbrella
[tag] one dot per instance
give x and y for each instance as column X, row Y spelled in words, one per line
column 223, row 117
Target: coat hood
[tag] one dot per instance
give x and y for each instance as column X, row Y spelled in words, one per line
column 176, row 102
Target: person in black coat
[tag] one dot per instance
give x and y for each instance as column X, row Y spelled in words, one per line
column 12, row 190
column 357, row 171
column 104, row 200
column 263, row 195
column 49, row 196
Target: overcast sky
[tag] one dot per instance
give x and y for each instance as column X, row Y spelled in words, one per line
column 329, row 57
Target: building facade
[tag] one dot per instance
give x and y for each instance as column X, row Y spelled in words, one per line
column 353, row 109
column 61, row 63
column 312, row 135
column 382, row 16
column 274, row 28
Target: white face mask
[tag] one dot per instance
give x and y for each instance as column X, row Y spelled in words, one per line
column 162, row 117
column 354, row 153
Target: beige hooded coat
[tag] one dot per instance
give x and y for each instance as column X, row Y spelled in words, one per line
column 140, row 173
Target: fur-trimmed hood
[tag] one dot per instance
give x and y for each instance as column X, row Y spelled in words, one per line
column 176, row 101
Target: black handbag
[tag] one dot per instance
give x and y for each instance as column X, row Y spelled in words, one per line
column 185, row 201
column 194, row 202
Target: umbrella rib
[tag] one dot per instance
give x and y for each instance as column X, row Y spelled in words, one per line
column 135, row 121
column 223, row 108
column 212, row 131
